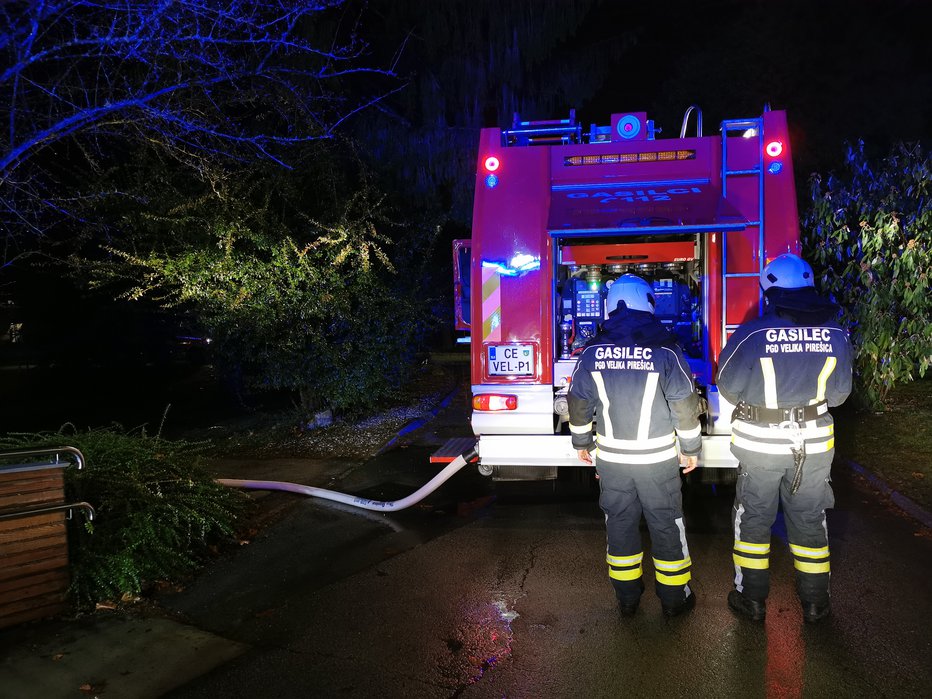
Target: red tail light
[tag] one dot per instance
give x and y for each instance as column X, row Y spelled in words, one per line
column 492, row 402
column 774, row 149
column 492, row 163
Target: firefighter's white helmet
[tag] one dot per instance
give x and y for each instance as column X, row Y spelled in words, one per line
column 787, row 271
column 634, row 291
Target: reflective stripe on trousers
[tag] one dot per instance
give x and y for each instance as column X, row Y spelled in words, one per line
column 627, row 491
column 763, row 483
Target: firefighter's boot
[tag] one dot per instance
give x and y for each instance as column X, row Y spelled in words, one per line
column 629, row 597
column 746, row 607
column 813, row 612
column 686, row 606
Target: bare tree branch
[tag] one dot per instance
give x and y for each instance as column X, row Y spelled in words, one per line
column 205, row 79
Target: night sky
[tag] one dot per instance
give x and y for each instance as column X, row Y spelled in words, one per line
column 841, row 70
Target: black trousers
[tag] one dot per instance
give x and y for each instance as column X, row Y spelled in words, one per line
column 764, row 482
column 654, row 490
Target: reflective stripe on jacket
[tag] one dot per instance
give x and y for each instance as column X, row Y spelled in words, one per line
column 772, row 362
column 635, row 380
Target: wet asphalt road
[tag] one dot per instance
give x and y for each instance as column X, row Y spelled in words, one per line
column 490, row 591
column 503, row 592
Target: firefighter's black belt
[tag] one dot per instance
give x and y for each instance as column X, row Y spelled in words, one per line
column 771, row 416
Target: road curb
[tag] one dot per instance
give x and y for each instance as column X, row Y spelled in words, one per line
column 419, row 422
column 908, row 506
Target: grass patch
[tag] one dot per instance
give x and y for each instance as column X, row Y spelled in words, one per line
column 896, row 444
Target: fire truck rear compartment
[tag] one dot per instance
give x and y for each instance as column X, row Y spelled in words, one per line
column 673, row 265
column 586, row 269
column 563, row 216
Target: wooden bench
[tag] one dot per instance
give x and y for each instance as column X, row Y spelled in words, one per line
column 34, row 573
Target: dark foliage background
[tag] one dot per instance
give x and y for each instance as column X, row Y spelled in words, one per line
column 869, row 236
column 139, row 135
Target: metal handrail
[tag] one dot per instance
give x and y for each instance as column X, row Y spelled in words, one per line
column 55, row 452
column 686, row 121
column 45, row 509
column 79, row 457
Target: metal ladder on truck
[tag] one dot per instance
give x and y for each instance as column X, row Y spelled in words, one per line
column 731, row 126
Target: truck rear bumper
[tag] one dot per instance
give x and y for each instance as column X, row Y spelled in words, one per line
column 527, row 450
column 716, row 452
column 557, row 450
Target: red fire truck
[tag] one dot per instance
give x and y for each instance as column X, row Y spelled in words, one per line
column 560, row 213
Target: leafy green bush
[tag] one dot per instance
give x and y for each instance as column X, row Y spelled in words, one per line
column 302, row 280
column 868, row 235
column 158, row 511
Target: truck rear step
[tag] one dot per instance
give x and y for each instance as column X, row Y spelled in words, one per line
column 453, row 448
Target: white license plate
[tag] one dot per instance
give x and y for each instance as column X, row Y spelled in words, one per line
column 511, row 360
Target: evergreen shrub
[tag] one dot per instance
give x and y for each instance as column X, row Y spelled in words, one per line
column 868, row 234
column 158, row 511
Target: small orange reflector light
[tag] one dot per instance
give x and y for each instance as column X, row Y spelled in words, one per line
column 492, row 163
column 774, row 149
column 492, row 402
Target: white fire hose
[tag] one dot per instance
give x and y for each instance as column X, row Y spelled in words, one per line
column 355, row 501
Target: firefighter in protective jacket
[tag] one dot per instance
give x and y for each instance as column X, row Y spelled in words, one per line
column 783, row 371
column 634, row 379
